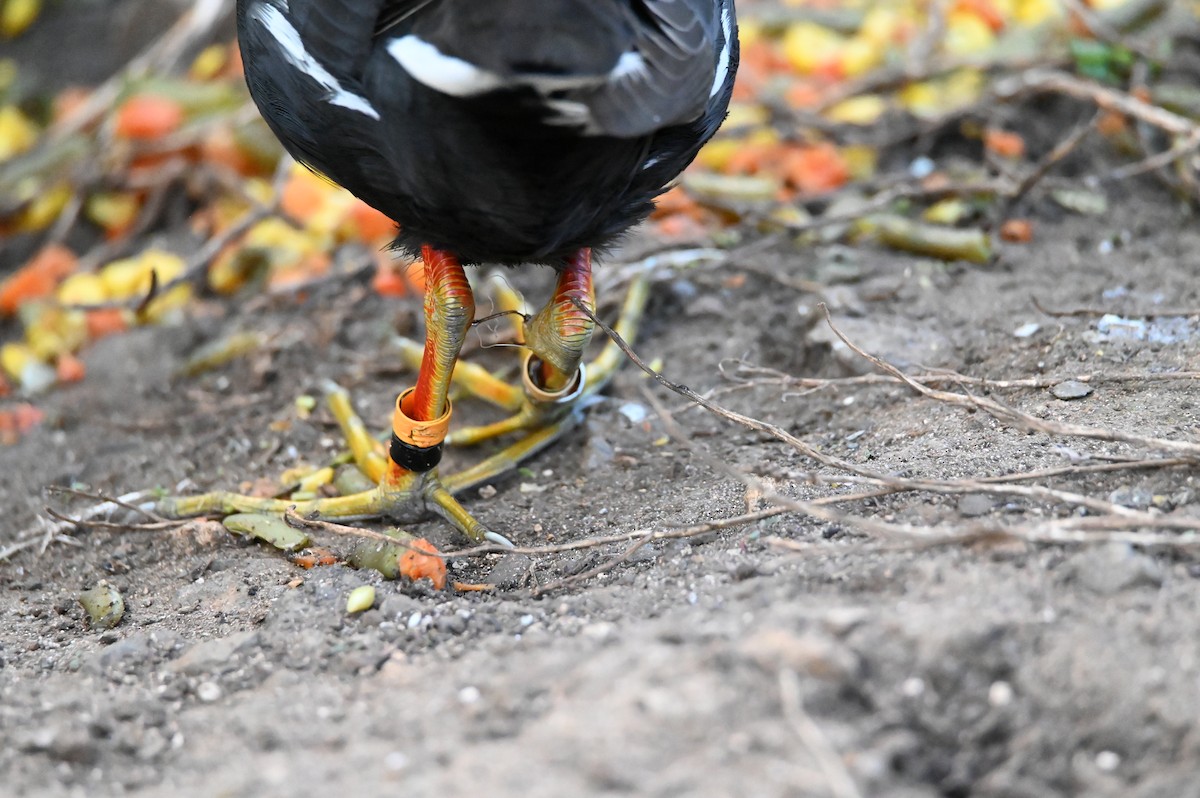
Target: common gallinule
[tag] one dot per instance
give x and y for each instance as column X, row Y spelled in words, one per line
column 492, row 131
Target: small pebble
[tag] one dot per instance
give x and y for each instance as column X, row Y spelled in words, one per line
column 208, row 692
column 451, row 624
column 974, row 505
column 1000, row 694
column 1108, row 761
column 921, row 167
column 1071, row 389
column 395, row 761
column 635, row 413
column 1027, row 330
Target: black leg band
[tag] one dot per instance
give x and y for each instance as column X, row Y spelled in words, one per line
column 414, row 458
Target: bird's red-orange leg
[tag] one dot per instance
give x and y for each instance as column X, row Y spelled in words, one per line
column 559, row 333
column 422, row 413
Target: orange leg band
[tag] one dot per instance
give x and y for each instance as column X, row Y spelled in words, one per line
column 423, row 413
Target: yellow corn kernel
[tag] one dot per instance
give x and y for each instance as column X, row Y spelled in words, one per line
column 861, row 160
column 862, row 110
column 717, row 154
column 209, row 62
column 167, row 265
column 860, row 55
column 808, row 46
column 55, row 331
column 316, row 480
column 1035, row 12
column 113, row 211
column 17, row 132
column 967, row 34
column 164, row 303
column 880, row 25
column 84, row 288
column 17, row 15
column 44, row 208
column 14, row 357
column 948, row 211
column 746, row 115
column 260, row 190
column 125, row 278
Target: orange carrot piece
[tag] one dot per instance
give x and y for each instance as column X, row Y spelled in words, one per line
column 17, row 420
column 1110, row 123
column 106, row 321
column 389, row 281
column 148, row 116
column 984, row 9
column 1017, row 231
column 311, row 558
column 372, row 225
column 70, row 368
column 815, row 168
column 415, row 272
column 415, row 565
column 1004, row 143
column 37, row 279
column 303, row 195
column 221, row 148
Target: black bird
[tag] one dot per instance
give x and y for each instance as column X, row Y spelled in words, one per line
column 498, row 131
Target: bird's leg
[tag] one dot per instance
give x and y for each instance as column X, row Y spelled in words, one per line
column 552, row 375
column 542, row 422
column 422, row 415
column 558, row 334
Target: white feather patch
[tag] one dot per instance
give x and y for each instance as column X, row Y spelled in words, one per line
column 630, row 63
column 723, row 60
column 445, row 73
column 288, row 39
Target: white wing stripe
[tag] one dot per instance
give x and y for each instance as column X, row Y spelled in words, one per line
column 288, row 39
column 723, row 61
column 444, row 73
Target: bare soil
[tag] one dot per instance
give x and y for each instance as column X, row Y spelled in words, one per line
column 721, row 664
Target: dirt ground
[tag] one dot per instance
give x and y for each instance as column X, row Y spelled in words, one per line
column 727, row 663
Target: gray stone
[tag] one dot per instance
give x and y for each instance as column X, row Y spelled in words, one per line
column 1114, row 568
column 1071, row 389
column 451, row 624
column 976, row 504
column 213, row 656
column 510, row 572
column 398, row 606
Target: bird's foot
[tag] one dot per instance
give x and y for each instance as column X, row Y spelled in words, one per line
column 538, row 415
column 397, row 492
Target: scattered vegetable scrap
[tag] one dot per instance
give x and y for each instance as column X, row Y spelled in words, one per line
column 16, row 420
column 410, row 558
column 270, row 529
column 422, row 560
column 361, row 599
column 104, row 605
column 314, row 557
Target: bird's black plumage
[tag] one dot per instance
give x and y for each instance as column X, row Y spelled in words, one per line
column 500, row 130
